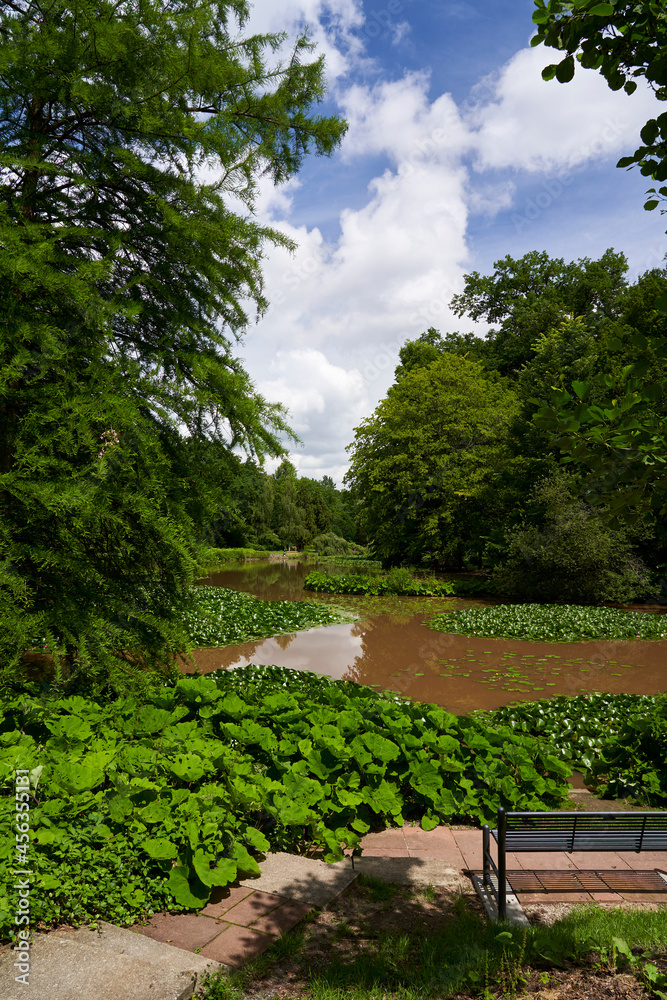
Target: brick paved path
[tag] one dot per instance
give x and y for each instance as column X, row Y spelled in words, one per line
column 242, row 922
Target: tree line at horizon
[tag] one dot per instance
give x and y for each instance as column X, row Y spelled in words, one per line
column 459, row 465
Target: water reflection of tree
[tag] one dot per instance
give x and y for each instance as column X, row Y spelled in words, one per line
column 270, row 581
column 381, row 656
column 284, row 640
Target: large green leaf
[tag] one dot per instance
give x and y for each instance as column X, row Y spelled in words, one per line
column 76, row 777
column 187, row 890
column 212, row 872
column 159, row 848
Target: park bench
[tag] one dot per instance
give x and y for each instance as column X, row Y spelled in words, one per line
column 567, row 831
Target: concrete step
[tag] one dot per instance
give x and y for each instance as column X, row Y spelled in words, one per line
column 111, row 963
column 304, row 879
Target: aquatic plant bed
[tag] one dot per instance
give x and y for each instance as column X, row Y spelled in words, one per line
column 397, row 582
column 577, row 727
column 619, row 741
column 148, row 802
column 552, row 623
column 221, row 617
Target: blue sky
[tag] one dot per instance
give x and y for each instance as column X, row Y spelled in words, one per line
column 457, row 154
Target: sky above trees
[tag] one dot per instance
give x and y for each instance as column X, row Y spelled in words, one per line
column 457, row 154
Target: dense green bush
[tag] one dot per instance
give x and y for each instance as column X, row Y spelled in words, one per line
column 552, row 623
column 571, row 554
column 170, row 794
column 330, row 544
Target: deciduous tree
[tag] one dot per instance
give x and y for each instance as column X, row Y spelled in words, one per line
column 421, row 463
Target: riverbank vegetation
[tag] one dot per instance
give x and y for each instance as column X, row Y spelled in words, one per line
column 173, row 792
column 206, row 771
column 467, row 462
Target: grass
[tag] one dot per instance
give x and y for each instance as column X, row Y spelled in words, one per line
column 552, row 623
column 221, row 617
column 211, row 559
column 464, row 953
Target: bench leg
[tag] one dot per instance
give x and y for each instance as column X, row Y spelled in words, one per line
column 502, row 868
column 486, row 847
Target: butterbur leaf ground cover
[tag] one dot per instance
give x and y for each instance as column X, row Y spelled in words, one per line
column 146, row 804
column 552, row 623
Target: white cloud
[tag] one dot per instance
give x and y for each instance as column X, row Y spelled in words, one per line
column 397, row 119
column 536, row 126
column 340, row 311
column 334, row 26
column 326, row 402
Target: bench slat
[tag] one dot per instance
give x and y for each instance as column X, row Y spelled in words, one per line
column 576, row 831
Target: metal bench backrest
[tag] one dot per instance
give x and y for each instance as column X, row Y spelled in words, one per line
column 581, row 831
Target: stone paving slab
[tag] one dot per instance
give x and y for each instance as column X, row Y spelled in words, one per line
column 189, row 931
column 222, row 900
column 236, row 945
column 127, row 941
column 64, row 968
column 305, row 880
column 412, row 871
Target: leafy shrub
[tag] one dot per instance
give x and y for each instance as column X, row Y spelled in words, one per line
column 166, row 796
column 330, row 544
column 221, row 617
column 570, row 554
column 552, row 623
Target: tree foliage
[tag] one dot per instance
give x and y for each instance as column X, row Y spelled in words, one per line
column 421, row 463
column 566, row 550
column 126, row 131
column 624, row 41
column 563, row 334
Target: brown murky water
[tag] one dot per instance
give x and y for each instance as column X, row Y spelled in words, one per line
column 390, row 647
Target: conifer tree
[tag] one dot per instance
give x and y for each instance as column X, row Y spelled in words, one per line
column 132, row 135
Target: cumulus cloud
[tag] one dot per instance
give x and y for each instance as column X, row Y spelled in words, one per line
column 334, row 26
column 326, row 401
column 341, row 309
column 538, row 127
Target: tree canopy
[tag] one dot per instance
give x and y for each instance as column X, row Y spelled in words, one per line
column 127, row 272
column 421, row 463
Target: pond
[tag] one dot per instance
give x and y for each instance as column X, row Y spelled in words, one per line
column 389, row 647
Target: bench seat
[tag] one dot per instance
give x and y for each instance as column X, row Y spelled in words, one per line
column 567, row 832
